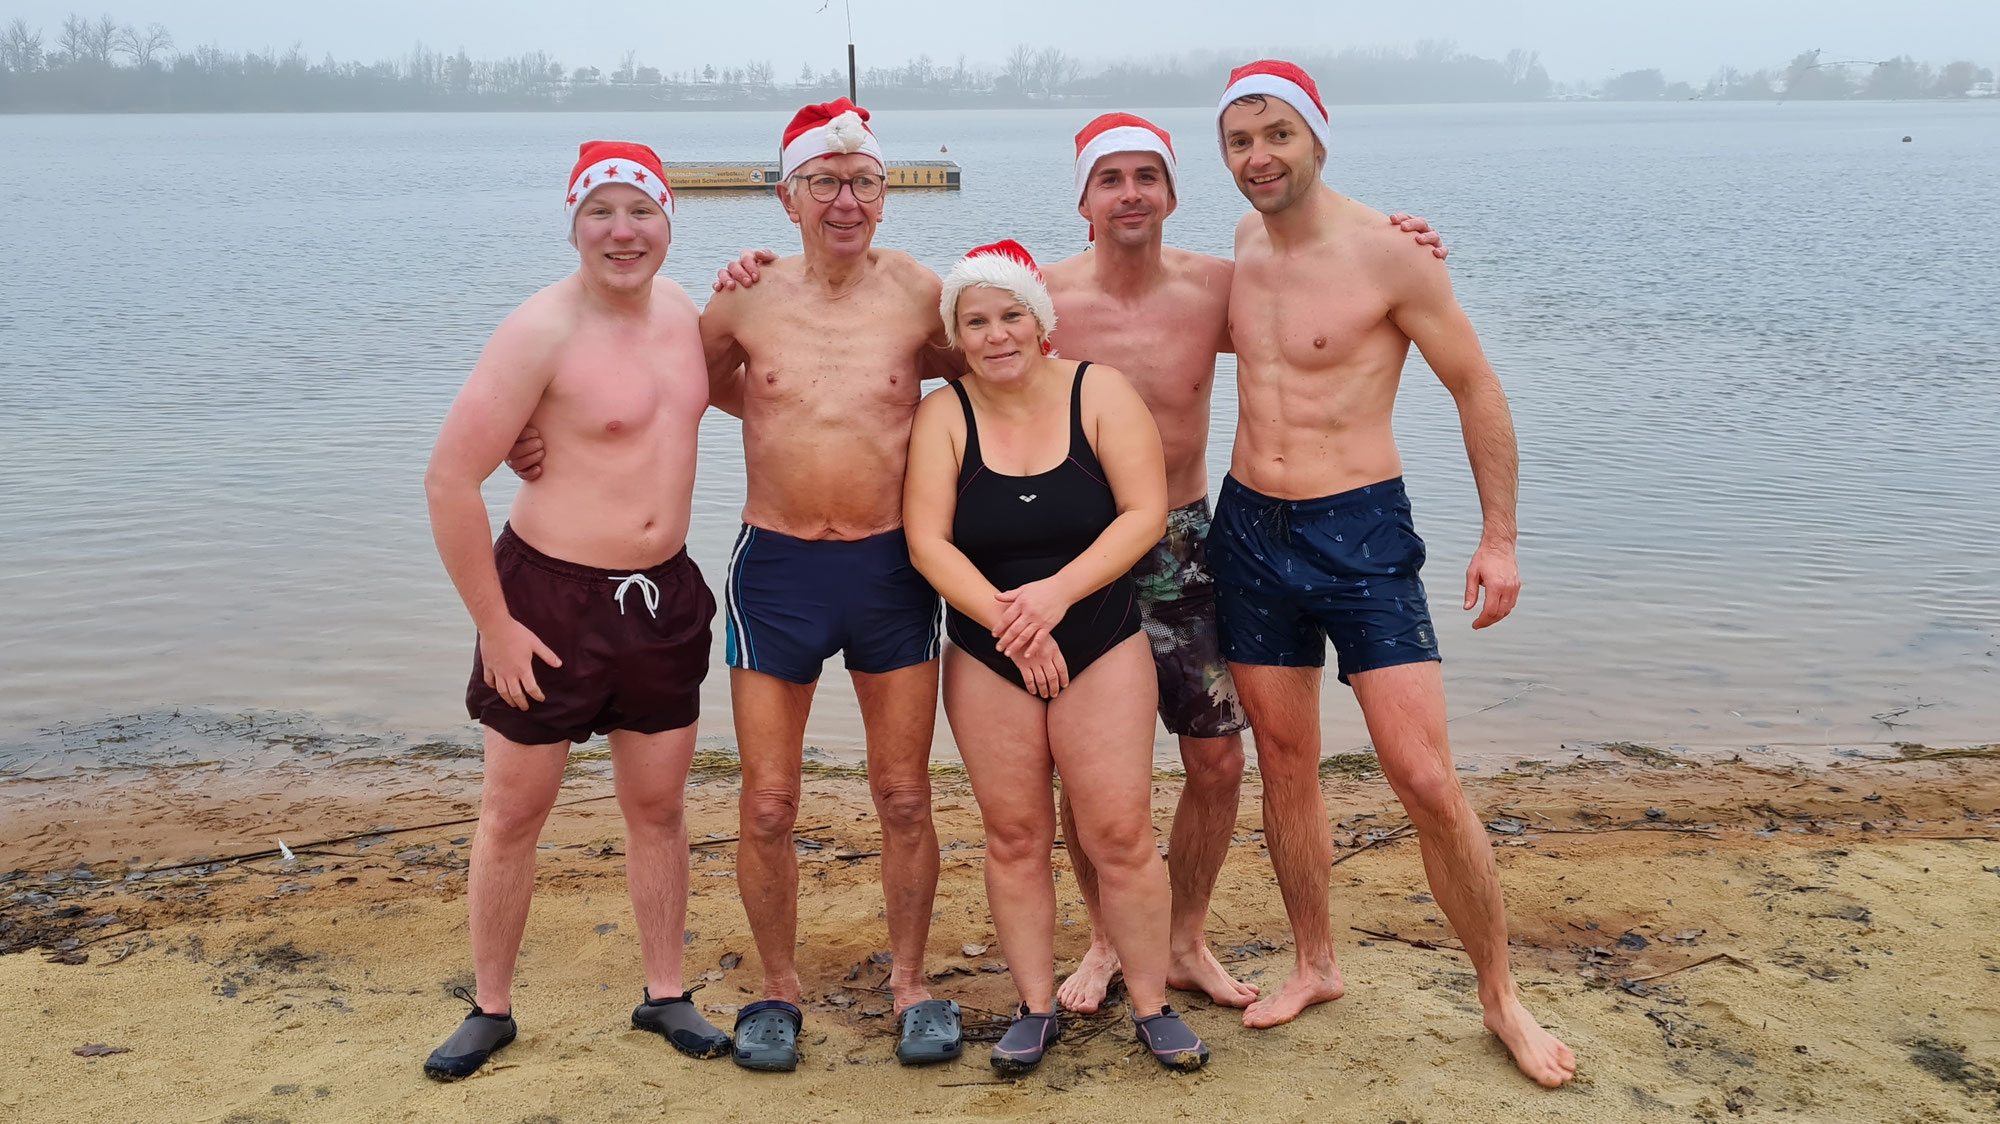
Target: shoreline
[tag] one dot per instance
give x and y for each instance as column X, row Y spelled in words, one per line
column 1714, row 940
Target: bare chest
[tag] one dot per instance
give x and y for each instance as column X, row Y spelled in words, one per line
column 1166, row 347
column 841, row 359
column 1306, row 316
column 614, row 391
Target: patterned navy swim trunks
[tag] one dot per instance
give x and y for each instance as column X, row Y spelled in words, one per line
column 1292, row 574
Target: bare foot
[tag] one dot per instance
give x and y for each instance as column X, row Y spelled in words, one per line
column 1083, row 992
column 907, row 990
column 1539, row 1054
column 1305, row 987
column 1200, row 971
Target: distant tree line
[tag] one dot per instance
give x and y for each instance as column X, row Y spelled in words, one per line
column 1810, row 78
column 101, row 65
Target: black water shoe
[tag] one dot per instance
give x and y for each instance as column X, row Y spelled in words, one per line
column 1172, row 1042
column 675, row 1019
column 1022, row 1047
column 475, row 1040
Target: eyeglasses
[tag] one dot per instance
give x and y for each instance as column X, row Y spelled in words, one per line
column 826, row 187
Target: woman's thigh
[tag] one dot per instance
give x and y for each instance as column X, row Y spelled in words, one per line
column 1100, row 731
column 1002, row 734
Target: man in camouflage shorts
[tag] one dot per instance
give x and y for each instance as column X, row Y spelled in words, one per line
column 1161, row 316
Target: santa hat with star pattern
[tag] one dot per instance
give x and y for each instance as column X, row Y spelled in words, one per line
column 1003, row 265
column 831, row 128
column 599, row 163
column 1278, row 79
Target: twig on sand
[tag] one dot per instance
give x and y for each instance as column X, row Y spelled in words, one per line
column 1413, row 942
column 1634, row 826
column 108, row 936
column 1736, row 960
column 1402, row 832
column 273, row 852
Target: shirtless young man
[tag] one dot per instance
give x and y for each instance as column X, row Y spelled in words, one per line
column 1313, row 537
column 590, row 578
column 824, row 362
column 1162, row 315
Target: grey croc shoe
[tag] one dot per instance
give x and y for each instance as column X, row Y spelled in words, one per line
column 1172, row 1042
column 478, row 1038
column 930, row 1031
column 767, row 1036
column 1022, row 1047
column 675, row 1019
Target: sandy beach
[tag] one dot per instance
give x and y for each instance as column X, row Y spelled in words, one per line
column 1717, row 941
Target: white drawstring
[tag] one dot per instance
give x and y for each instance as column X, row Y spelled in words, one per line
column 647, row 590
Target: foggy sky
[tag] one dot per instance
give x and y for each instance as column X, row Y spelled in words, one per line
column 1578, row 39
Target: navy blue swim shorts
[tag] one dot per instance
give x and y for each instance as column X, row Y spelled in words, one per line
column 1292, row 574
column 791, row 603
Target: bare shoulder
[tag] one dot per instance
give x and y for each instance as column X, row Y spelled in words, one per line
column 939, row 411
column 1251, row 238
column 909, row 273
column 542, row 322
column 1106, row 391
column 1206, row 272
column 1392, row 254
column 774, row 278
column 1071, row 272
column 668, row 296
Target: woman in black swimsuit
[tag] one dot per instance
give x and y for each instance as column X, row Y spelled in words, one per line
column 1034, row 485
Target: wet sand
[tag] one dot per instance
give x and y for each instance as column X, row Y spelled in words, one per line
column 1716, row 941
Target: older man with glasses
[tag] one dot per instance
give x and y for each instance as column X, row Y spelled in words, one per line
column 823, row 362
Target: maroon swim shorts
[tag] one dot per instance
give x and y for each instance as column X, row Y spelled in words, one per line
column 634, row 646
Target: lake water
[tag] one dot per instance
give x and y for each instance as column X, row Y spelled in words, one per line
column 1752, row 351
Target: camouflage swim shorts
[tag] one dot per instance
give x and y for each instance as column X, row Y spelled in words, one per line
column 1177, row 608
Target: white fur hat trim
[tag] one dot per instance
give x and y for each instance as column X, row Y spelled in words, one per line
column 845, row 133
column 996, row 271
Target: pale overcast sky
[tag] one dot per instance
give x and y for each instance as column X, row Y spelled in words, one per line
column 1578, row 39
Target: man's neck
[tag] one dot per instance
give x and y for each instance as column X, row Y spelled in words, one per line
column 1304, row 222
column 617, row 303
column 836, row 274
column 1128, row 272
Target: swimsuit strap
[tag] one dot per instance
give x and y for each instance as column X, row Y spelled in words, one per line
column 972, row 461
column 1079, row 445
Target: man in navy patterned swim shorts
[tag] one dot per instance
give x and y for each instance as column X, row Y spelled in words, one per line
column 1313, row 538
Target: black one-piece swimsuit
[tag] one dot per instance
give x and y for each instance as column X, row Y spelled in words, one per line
column 1021, row 529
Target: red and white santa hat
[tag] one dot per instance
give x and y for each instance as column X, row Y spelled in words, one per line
column 1120, row 132
column 1002, row 265
column 833, row 128
column 1282, row 80
column 600, row 163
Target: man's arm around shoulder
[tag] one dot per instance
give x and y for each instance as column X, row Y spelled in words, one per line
column 936, row 359
column 725, row 356
column 1423, row 307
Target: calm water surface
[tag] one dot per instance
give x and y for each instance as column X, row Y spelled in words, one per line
column 1752, row 352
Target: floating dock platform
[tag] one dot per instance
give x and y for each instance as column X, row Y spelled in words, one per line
column 698, row 175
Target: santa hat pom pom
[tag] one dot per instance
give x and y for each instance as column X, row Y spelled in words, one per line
column 846, row 133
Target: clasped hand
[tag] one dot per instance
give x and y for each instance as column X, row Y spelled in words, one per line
column 1027, row 616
